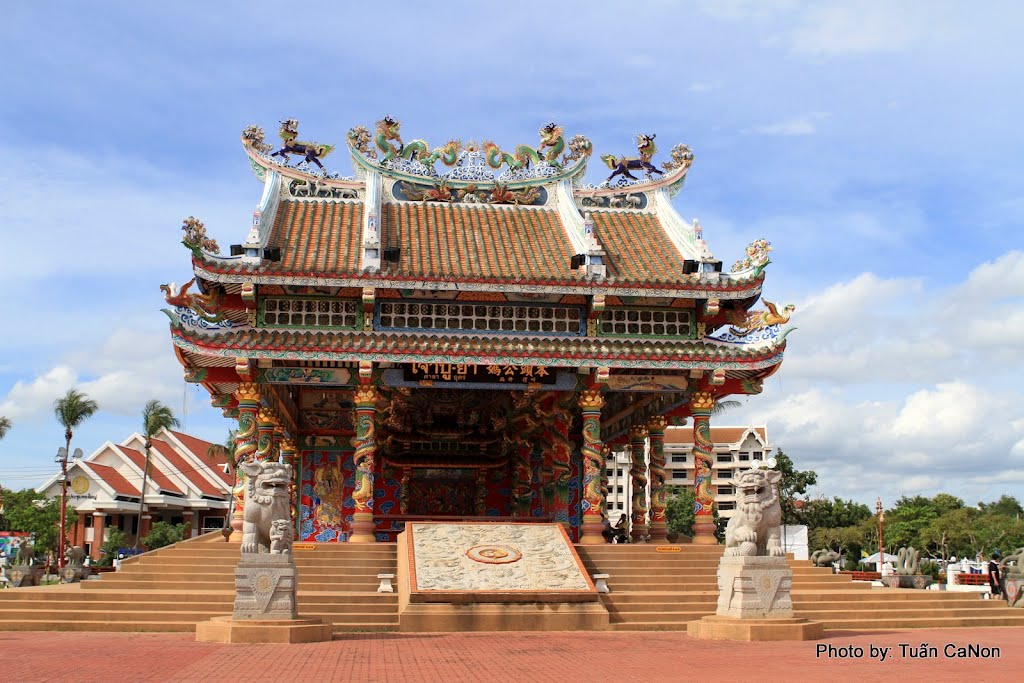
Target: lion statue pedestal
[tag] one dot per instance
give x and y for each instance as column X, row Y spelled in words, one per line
column 266, row 579
column 754, row 578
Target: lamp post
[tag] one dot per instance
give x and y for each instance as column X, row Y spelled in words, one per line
column 881, row 544
column 62, row 458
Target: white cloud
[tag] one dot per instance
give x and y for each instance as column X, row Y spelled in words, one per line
column 123, row 372
column 806, row 124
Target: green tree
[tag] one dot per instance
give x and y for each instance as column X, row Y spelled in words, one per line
column 71, row 410
column 837, row 512
column 1006, row 505
column 164, row 534
column 5, row 426
column 155, row 417
column 116, row 539
column 32, row 512
column 679, row 512
column 794, row 483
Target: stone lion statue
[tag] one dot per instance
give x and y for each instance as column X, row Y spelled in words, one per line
column 26, row 554
column 76, row 556
column 280, row 537
column 754, row 528
column 266, row 499
column 824, row 557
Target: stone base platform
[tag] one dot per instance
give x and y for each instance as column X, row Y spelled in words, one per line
column 441, row 617
column 229, row 630
column 733, row 628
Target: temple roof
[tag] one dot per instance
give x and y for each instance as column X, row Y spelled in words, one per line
column 516, row 219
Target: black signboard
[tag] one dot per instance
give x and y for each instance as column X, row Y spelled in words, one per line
column 467, row 373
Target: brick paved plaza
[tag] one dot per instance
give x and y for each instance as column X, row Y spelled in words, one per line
column 534, row 657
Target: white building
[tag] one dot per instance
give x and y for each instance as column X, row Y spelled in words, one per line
column 184, row 486
column 735, row 449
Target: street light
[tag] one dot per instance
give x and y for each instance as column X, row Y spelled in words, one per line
column 881, row 545
column 62, row 458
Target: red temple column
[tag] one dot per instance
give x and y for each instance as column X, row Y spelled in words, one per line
column 98, row 529
column 522, row 473
column 266, row 424
column 590, row 402
column 288, row 453
column 365, row 442
column 638, row 473
column 701, row 405
column 79, row 538
column 561, row 465
column 659, row 495
column 248, row 396
column 188, row 517
column 144, row 528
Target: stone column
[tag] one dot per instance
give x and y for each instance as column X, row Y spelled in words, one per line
column 659, row 496
column 638, row 473
column 98, row 528
column 188, row 518
column 288, row 456
column 245, row 447
column 366, row 449
column 703, row 448
column 590, row 402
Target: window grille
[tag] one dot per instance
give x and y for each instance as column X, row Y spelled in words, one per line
column 287, row 312
column 669, row 322
column 679, row 458
column 474, row 317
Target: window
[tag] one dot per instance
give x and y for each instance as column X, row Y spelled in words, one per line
column 88, row 521
column 679, row 475
column 724, row 458
column 671, row 322
column 609, row 473
column 679, row 458
column 513, row 318
column 727, row 505
column 725, row 474
column 288, row 312
column 744, row 457
column 725, row 490
column 758, row 455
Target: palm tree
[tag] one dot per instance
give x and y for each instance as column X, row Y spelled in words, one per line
column 71, row 410
column 155, row 417
column 227, row 451
column 5, row 426
column 724, row 406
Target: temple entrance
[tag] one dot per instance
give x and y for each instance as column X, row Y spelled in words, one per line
column 443, row 492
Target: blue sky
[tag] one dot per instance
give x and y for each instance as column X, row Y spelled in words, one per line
column 876, row 144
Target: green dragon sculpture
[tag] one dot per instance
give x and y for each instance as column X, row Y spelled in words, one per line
column 388, row 135
column 552, row 143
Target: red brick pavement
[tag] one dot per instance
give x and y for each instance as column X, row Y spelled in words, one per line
column 532, row 657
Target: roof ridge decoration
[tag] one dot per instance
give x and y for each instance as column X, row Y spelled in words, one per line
column 757, row 326
column 470, row 163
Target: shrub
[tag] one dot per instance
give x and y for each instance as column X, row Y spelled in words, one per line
column 164, row 534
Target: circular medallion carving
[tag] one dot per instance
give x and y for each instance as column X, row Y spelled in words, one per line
column 494, row 554
column 766, row 582
column 263, row 584
column 80, row 485
column 16, row 575
column 69, row 573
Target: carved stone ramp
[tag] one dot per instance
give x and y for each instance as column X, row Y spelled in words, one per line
column 479, row 576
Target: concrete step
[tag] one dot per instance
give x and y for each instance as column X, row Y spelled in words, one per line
column 97, row 624
column 924, row 622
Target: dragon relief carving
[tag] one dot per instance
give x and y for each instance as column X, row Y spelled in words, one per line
column 753, row 530
column 254, row 137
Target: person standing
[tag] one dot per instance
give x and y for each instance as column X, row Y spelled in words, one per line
column 994, row 579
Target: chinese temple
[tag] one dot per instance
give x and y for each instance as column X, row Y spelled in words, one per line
column 461, row 332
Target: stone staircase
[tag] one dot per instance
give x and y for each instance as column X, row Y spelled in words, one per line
column 174, row 588
column 663, row 591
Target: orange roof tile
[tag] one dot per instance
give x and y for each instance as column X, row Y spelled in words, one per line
column 317, row 237
column 199, row 447
column 114, row 479
column 722, row 435
column 638, row 248
column 186, row 469
column 478, row 242
column 155, row 474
